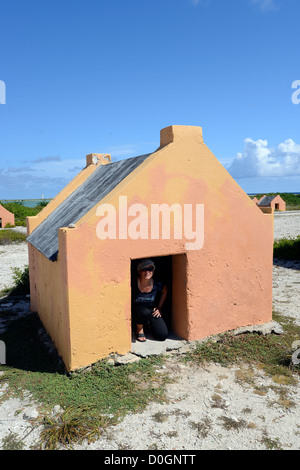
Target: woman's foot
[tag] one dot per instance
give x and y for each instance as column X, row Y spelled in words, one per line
column 140, row 335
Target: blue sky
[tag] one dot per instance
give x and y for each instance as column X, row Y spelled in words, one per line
column 104, row 76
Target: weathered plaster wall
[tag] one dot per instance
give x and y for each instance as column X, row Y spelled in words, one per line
column 49, row 296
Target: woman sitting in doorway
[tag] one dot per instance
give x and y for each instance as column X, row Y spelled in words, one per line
column 148, row 298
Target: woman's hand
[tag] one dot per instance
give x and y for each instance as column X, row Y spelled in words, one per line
column 156, row 313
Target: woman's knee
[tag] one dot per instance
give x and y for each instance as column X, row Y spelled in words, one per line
column 159, row 329
column 141, row 315
column 161, row 336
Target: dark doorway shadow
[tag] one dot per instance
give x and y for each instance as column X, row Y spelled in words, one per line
column 163, row 273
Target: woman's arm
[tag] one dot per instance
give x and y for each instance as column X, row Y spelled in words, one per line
column 157, row 310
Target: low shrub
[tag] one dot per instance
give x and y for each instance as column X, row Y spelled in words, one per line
column 11, row 236
column 287, row 248
column 21, row 281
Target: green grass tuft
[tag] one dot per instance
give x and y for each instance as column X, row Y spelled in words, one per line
column 74, row 425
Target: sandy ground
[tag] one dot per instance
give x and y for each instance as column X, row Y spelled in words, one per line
column 12, row 256
column 211, row 408
column 286, row 224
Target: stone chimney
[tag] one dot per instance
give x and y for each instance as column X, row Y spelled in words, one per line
column 98, row 158
column 179, row 134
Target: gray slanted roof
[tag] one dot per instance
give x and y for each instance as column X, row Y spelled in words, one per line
column 266, row 200
column 100, row 183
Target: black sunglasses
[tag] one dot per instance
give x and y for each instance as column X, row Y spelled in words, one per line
column 149, row 268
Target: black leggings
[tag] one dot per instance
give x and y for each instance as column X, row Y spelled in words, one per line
column 143, row 316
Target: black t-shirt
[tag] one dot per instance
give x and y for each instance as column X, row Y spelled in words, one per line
column 147, row 299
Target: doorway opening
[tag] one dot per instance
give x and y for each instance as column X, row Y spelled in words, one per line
column 171, row 271
column 276, row 206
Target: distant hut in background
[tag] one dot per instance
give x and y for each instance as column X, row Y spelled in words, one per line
column 274, row 202
column 6, row 217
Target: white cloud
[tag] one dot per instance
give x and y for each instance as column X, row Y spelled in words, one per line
column 266, row 5
column 195, row 3
column 259, row 160
column 47, row 159
column 120, row 152
column 48, row 175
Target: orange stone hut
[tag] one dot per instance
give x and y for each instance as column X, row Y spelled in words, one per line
column 6, row 217
column 273, row 202
column 80, row 279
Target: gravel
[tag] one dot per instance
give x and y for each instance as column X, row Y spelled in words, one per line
column 208, row 408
